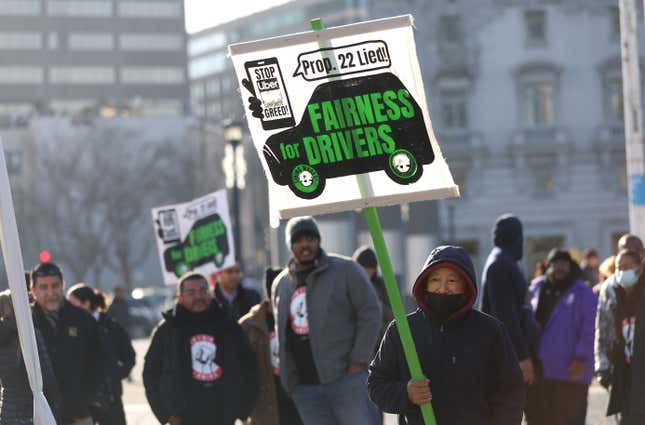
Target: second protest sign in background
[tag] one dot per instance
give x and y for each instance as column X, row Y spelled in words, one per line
column 194, row 236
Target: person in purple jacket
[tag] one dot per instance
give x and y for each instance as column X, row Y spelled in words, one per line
column 565, row 308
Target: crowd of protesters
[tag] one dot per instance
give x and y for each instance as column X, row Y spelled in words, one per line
column 321, row 348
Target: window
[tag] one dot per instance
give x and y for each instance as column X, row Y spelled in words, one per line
column 205, row 43
column 20, row 40
column 539, row 104
column 20, row 7
column 542, row 181
column 88, row 8
column 197, row 91
column 450, row 27
column 21, row 75
column 81, row 75
column 52, row 40
column 213, row 88
column 152, row 75
column 16, row 109
column 162, row 107
column 90, row 41
column 535, row 26
column 454, row 109
column 150, row 9
column 538, row 247
column 151, row 41
column 206, row 65
column 71, row 106
column 214, row 110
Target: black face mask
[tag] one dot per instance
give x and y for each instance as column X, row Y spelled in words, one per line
column 443, row 305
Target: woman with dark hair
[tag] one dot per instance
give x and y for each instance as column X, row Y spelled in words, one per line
column 16, row 399
column 117, row 354
column 627, row 395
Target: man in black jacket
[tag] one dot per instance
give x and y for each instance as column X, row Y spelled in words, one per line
column 471, row 372
column 199, row 369
column 505, row 290
column 229, row 292
column 71, row 337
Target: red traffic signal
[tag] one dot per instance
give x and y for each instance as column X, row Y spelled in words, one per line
column 45, row 256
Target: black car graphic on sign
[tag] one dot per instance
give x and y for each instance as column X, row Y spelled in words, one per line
column 206, row 242
column 349, row 127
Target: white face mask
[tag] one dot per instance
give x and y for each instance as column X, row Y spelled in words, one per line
column 626, row 278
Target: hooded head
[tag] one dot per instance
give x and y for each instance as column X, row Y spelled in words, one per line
column 446, row 286
column 303, row 238
column 508, row 236
column 561, row 268
column 298, row 226
column 366, row 257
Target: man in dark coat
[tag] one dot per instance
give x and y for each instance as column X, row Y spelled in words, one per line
column 119, row 310
column 366, row 257
column 71, row 337
column 470, row 368
column 505, row 291
column 274, row 406
column 230, row 293
column 199, row 369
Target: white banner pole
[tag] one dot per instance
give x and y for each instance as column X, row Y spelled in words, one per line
column 15, row 272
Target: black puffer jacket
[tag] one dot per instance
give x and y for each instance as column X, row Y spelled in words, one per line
column 73, row 349
column 16, row 401
column 473, row 371
column 168, row 369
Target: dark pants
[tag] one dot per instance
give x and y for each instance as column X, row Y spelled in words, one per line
column 112, row 416
column 552, row 402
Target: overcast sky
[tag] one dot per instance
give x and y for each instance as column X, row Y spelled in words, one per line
column 202, row 14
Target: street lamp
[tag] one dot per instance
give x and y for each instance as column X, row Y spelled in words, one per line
column 233, row 136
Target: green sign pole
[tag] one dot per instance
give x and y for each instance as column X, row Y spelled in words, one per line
column 376, row 231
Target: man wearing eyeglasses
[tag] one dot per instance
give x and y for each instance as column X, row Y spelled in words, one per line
column 229, row 292
column 71, row 337
column 199, row 369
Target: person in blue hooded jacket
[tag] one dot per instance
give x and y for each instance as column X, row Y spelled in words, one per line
column 471, row 372
column 505, row 292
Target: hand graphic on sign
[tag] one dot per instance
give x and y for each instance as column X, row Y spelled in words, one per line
column 255, row 104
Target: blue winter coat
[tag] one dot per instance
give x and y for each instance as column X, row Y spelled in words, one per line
column 474, row 374
column 569, row 332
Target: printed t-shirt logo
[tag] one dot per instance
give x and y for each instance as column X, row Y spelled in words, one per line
column 275, row 353
column 298, row 312
column 203, row 350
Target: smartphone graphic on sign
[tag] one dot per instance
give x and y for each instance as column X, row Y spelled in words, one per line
column 266, row 77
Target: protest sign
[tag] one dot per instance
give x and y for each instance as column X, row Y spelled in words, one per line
column 326, row 106
column 194, row 236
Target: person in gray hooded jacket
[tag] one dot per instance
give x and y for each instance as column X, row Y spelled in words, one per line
column 327, row 320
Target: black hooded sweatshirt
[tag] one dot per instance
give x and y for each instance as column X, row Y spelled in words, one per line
column 473, row 371
column 200, row 367
column 505, row 288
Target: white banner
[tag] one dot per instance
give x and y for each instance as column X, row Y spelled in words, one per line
column 15, row 272
column 324, row 107
column 194, row 236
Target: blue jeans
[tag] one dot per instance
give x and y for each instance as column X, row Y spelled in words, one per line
column 342, row 402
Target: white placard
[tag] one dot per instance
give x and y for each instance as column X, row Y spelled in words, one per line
column 324, row 107
column 194, row 236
